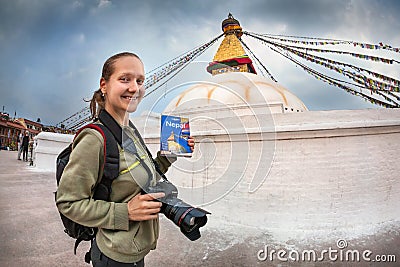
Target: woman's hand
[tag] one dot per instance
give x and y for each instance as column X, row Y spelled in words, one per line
column 191, row 143
column 143, row 207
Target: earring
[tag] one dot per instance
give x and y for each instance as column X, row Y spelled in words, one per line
column 102, row 94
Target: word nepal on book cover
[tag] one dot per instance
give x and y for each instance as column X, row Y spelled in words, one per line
column 175, row 132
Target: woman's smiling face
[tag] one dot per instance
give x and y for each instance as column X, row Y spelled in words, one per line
column 124, row 89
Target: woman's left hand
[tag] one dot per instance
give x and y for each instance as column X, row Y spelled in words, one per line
column 191, row 143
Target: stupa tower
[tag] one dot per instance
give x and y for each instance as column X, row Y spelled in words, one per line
column 234, row 82
column 231, row 56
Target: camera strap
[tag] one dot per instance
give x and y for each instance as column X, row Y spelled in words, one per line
column 158, row 170
column 127, row 143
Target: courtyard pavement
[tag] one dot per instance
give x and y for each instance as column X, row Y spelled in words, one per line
column 31, row 232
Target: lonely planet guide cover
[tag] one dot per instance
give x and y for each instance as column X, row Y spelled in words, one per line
column 175, row 132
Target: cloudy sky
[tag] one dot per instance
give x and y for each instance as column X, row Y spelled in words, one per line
column 52, row 51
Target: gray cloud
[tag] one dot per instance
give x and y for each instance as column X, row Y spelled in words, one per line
column 52, row 51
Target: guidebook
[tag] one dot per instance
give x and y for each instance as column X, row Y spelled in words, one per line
column 175, row 132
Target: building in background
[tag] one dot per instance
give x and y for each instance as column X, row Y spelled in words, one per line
column 33, row 127
column 10, row 128
column 9, row 131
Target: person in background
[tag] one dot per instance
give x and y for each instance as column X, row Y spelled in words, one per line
column 25, row 146
column 20, row 148
column 31, row 152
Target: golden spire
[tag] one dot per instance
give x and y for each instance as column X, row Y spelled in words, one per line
column 230, row 56
column 230, row 46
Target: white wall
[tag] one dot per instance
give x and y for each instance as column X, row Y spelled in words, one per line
column 49, row 145
column 322, row 174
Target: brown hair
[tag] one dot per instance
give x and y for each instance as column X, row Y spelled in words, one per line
column 98, row 101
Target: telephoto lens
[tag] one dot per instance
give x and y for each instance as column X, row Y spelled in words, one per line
column 189, row 219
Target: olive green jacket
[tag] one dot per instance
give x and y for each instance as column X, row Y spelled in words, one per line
column 118, row 237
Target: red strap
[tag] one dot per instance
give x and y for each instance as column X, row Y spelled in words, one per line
column 96, row 127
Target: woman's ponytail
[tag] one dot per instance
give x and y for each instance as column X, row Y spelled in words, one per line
column 97, row 103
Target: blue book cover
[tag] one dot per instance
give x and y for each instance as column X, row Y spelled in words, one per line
column 175, row 132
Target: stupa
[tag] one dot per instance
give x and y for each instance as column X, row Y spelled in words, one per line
column 263, row 161
column 235, row 81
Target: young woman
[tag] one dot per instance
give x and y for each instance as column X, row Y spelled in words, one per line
column 128, row 224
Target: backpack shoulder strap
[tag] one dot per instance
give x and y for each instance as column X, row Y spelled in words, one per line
column 111, row 161
column 116, row 130
column 100, row 130
column 112, row 125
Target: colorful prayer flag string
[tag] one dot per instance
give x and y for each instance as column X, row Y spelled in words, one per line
column 326, row 41
column 380, row 86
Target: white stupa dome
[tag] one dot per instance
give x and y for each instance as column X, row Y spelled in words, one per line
column 237, row 88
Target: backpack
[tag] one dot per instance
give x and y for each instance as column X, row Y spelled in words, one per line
column 102, row 190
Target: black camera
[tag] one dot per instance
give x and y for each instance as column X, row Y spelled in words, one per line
column 186, row 217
